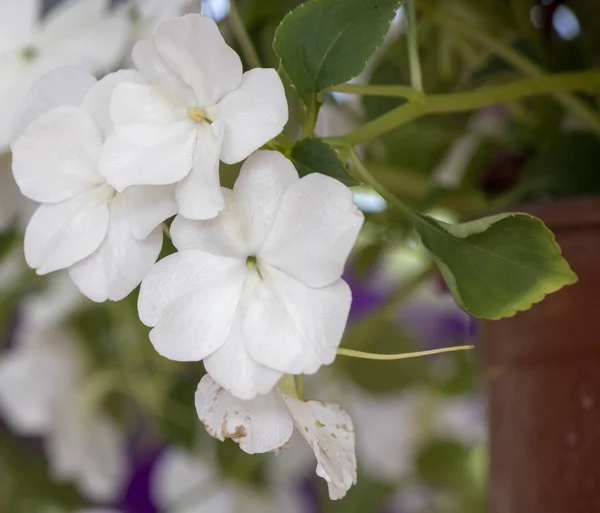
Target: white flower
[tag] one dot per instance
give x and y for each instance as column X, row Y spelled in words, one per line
column 257, row 292
column 40, row 385
column 184, row 483
column 106, row 239
column 190, row 107
column 78, row 32
column 267, row 423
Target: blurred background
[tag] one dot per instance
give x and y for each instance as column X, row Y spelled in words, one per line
column 91, row 416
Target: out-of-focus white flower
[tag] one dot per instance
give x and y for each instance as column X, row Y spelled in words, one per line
column 151, row 13
column 267, row 422
column 257, row 292
column 106, row 239
column 41, row 379
column 185, row 483
column 78, row 32
column 190, row 107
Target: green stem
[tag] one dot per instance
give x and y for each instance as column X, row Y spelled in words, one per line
column 472, row 100
column 379, row 90
column 413, row 47
column 241, row 34
column 310, row 122
column 402, row 356
column 520, row 62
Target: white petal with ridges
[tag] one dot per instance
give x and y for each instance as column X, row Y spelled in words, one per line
column 60, row 235
column 63, row 86
column 314, row 230
column 199, row 193
column 149, row 206
column 329, row 431
column 260, row 425
column 120, row 263
column 263, row 179
column 55, row 158
column 221, row 235
column 252, row 115
column 148, row 154
column 191, row 298
column 294, row 328
column 193, row 47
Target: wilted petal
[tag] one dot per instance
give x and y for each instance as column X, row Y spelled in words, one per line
column 329, row 431
column 191, row 298
column 63, row 86
column 55, row 159
column 61, row 234
column 314, row 230
column 252, row 115
column 97, row 101
column 294, row 328
column 120, row 263
column 149, row 206
column 148, row 154
column 234, row 369
column 199, row 193
column 194, row 48
column 257, row 192
column 260, row 425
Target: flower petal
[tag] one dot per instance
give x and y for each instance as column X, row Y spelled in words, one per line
column 257, row 192
column 140, row 103
column 97, row 101
column 19, row 19
column 84, row 32
column 61, row 234
column 329, row 431
column 120, row 263
column 63, row 86
column 314, row 230
column 260, row 425
column 234, row 369
column 252, row 115
column 149, row 206
column 156, row 71
column 199, row 193
column 194, row 48
column 55, row 159
column 148, row 154
column 293, row 328
column 191, row 298
column 221, row 235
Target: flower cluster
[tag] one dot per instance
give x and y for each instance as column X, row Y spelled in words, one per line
column 254, row 289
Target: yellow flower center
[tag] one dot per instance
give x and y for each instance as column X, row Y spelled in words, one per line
column 196, row 114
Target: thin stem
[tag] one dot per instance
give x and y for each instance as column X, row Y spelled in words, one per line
column 402, row 356
column 166, row 230
column 520, row 62
column 413, row 47
column 399, row 91
column 472, row 100
column 241, row 34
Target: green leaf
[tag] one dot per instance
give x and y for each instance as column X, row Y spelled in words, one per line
column 315, row 156
column 443, row 462
column 499, row 265
column 322, row 43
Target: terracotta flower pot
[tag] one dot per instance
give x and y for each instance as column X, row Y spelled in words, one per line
column 542, row 374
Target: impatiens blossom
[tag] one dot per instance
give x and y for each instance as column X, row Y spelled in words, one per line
column 186, row 483
column 78, row 32
column 106, row 239
column 189, row 107
column 268, row 422
column 257, row 292
column 42, row 394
